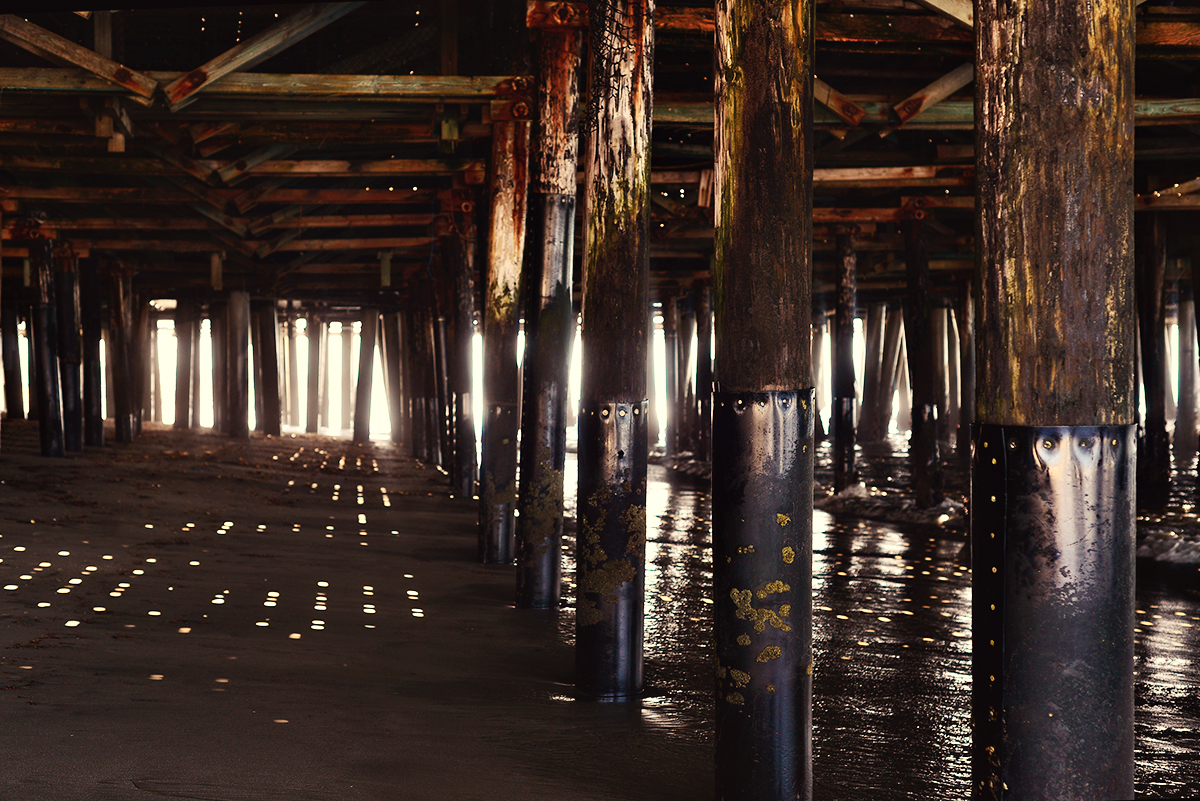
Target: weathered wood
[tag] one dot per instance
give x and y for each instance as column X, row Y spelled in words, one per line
column 506, row 248
column 762, row 412
column 837, row 102
column 1187, row 420
column 934, row 93
column 961, row 11
column 126, row 194
column 391, row 337
column 613, row 425
column 234, row 171
column 256, row 49
column 48, row 45
column 1066, row 357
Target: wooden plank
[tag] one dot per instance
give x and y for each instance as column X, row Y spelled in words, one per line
column 837, row 102
column 234, row 171
column 68, row 126
column 351, row 221
column 410, row 88
column 383, row 167
column 51, row 46
column 961, row 11
column 136, row 194
column 256, row 49
column 935, row 92
column 380, row 243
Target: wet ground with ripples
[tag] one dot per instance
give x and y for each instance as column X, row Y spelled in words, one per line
column 302, row 618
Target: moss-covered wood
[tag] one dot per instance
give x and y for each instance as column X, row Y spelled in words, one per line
column 764, row 194
column 1054, row 155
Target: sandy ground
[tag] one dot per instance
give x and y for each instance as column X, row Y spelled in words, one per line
column 292, row 618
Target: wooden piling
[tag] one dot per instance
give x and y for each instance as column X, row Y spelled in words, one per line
column 237, row 385
column 762, row 413
column 220, row 381
column 49, row 399
column 393, row 355
column 366, row 374
column 613, row 424
column 549, row 323
column 313, row 330
column 1154, row 449
column 70, row 346
column 1052, row 501
column 702, row 421
column 841, row 417
column 462, row 247
column 90, row 317
column 964, row 314
column 10, row 355
column 671, row 364
column 919, row 343
column 1186, row 425
column 872, row 425
column 293, row 370
column 266, row 360
column 121, row 395
column 184, row 315
column 348, row 374
column 502, row 304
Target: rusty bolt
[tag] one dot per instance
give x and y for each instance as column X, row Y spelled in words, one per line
column 467, row 207
column 521, row 83
column 563, row 12
column 520, row 110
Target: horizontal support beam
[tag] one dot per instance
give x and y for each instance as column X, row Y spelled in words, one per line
column 197, row 246
column 162, row 195
column 300, row 169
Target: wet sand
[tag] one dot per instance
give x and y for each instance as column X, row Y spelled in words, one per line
column 305, row 620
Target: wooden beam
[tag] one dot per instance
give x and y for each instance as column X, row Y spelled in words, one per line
column 837, row 102
column 391, row 88
column 256, row 49
column 248, row 247
column 234, row 171
column 961, row 11
column 53, row 47
column 934, row 93
column 193, row 224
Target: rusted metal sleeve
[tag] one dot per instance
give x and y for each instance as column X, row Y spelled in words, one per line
column 1054, row 174
column 611, row 549
column 842, row 413
column 45, row 329
column 762, row 585
column 237, row 388
column 70, row 349
column 366, row 374
column 1052, row 545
